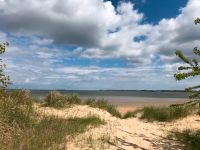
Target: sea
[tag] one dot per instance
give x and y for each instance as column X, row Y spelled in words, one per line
column 120, row 95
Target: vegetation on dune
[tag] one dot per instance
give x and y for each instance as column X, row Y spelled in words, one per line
column 189, row 138
column 103, row 104
column 58, row 100
column 55, row 99
column 51, row 132
column 22, row 128
column 21, row 96
column 131, row 114
column 165, row 113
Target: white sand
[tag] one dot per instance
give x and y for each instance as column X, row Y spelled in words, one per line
column 122, row 134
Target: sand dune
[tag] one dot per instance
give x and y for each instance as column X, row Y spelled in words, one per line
column 121, row 134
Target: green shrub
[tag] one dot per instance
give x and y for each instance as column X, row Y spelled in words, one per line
column 131, row 114
column 103, row 104
column 55, row 99
column 21, row 96
column 191, row 139
column 58, row 100
column 73, row 99
column 164, row 113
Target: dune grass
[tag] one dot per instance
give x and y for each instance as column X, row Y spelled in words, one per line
column 50, row 132
column 21, row 128
column 58, row 100
column 190, row 139
column 103, row 104
column 131, row 114
column 165, row 113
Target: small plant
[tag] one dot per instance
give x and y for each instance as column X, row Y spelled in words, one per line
column 191, row 139
column 103, row 104
column 131, row 114
column 73, row 99
column 55, row 99
column 58, row 100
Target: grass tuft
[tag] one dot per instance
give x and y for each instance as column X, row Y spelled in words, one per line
column 21, row 96
column 189, row 138
column 165, row 113
column 73, row 99
column 103, row 104
column 58, row 100
column 131, row 114
column 53, row 137
column 55, row 99
column 21, row 128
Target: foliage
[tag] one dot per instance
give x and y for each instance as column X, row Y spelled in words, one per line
column 58, row 100
column 73, row 99
column 55, row 99
column 131, row 114
column 12, row 112
column 40, row 137
column 191, row 139
column 4, row 79
column 103, row 104
column 22, row 128
column 22, row 96
column 191, row 69
column 165, row 113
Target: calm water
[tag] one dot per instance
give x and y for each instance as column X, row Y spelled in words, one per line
column 122, row 95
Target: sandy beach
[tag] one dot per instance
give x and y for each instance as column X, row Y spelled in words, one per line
column 123, row 106
column 122, row 134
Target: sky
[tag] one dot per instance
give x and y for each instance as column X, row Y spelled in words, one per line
column 98, row 44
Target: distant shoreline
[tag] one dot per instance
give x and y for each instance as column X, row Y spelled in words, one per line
column 112, row 94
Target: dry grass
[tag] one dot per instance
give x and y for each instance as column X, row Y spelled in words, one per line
column 103, row 104
column 21, row 128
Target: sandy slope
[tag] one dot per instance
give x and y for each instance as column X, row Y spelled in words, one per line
column 122, row 134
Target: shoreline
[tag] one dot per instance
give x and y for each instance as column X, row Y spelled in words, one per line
column 125, row 106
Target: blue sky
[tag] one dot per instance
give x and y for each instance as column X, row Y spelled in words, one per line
column 96, row 44
column 155, row 10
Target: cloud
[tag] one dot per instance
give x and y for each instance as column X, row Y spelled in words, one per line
column 98, row 31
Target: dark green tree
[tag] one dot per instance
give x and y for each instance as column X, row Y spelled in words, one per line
column 191, row 69
column 4, row 79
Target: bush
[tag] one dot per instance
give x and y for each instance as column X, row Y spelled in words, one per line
column 58, row 100
column 73, row 99
column 131, row 114
column 164, row 113
column 21, row 96
column 103, row 104
column 55, row 99
column 191, row 139
column 12, row 112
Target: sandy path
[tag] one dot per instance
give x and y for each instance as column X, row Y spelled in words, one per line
column 122, row 134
